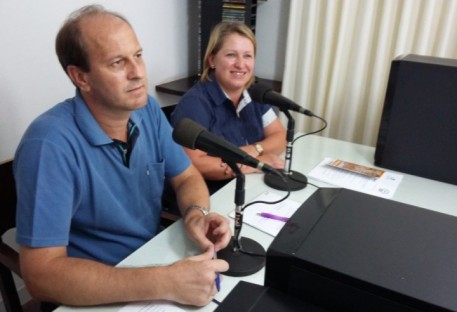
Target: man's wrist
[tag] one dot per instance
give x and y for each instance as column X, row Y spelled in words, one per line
column 203, row 210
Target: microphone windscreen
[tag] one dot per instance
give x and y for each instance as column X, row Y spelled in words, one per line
column 258, row 91
column 186, row 132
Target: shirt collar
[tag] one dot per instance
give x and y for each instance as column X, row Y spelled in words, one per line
column 219, row 96
column 89, row 127
column 245, row 100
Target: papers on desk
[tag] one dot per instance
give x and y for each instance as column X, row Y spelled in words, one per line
column 356, row 177
column 151, row 306
column 285, row 208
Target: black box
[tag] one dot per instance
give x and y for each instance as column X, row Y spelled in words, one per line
column 248, row 297
column 348, row 251
column 418, row 128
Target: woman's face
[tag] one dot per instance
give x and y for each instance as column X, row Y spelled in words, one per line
column 234, row 63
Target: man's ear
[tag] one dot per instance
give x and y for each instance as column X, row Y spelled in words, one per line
column 78, row 77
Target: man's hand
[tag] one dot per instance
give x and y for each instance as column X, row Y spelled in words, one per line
column 208, row 231
column 193, row 279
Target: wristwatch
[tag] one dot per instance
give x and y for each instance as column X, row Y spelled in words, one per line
column 259, row 149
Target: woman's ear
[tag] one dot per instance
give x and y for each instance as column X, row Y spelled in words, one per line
column 211, row 61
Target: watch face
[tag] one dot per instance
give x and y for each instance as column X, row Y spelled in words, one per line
column 259, row 149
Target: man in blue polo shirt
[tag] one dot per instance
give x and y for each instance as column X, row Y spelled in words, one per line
column 90, row 175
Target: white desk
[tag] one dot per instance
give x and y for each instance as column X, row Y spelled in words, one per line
column 172, row 244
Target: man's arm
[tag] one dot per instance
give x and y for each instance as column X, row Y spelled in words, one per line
column 208, row 231
column 50, row 275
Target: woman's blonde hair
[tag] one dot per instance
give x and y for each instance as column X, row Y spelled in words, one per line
column 216, row 40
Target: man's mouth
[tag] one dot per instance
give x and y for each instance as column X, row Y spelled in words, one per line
column 135, row 89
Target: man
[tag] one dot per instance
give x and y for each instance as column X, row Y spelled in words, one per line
column 89, row 175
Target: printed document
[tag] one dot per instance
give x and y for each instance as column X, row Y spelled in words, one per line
column 151, row 306
column 251, row 215
column 356, row 177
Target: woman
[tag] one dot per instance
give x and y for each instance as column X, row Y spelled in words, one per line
column 221, row 103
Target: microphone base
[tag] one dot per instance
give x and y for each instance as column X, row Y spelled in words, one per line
column 296, row 180
column 241, row 263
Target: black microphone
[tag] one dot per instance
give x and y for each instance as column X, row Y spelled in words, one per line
column 264, row 95
column 192, row 135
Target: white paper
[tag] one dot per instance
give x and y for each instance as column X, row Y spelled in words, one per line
column 151, row 306
column 385, row 186
column 285, row 208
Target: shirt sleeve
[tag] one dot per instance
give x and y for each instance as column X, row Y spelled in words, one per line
column 47, row 188
column 194, row 106
column 268, row 117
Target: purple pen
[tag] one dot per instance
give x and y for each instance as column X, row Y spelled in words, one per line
column 273, row 216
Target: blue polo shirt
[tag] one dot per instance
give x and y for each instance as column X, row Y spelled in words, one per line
column 75, row 190
column 208, row 105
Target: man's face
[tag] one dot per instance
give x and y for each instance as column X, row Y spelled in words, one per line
column 117, row 78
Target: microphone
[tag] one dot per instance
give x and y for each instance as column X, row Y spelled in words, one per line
column 264, row 95
column 244, row 255
column 192, row 135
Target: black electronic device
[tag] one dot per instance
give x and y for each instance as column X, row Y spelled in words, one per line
column 418, row 128
column 248, row 297
column 348, row 251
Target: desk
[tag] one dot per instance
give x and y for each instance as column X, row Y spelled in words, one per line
column 172, row 244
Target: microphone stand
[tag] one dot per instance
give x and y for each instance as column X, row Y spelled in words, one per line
column 244, row 255
column 296, row 180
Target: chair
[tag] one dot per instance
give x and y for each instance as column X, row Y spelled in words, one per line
column 9, row 258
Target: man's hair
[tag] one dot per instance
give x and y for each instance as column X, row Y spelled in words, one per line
column 216, row 41
column 70, row 47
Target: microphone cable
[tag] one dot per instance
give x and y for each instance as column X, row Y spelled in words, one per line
column 313, row 132
column 277, row 172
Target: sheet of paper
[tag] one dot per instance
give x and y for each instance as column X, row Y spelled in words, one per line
column 285, row 208
column 383, row 186
column 151, row 306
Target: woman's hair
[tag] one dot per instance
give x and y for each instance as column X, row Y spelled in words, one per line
column 216, row 41
column 70, row 47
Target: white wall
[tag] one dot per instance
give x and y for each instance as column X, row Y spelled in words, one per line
column 31, row 80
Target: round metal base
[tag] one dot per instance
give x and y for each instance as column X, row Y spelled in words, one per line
column 243, row 263
column 296, row 181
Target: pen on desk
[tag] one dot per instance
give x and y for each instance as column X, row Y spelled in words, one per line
column 218, row 276
column 273, row 216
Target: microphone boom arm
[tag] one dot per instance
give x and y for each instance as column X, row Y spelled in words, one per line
column 289, row 137
column 239, row 202
column 294, row 180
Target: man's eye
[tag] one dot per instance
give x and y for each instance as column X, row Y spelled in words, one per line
column 117, row 63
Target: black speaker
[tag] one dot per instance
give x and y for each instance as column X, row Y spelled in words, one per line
column 418, row 129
